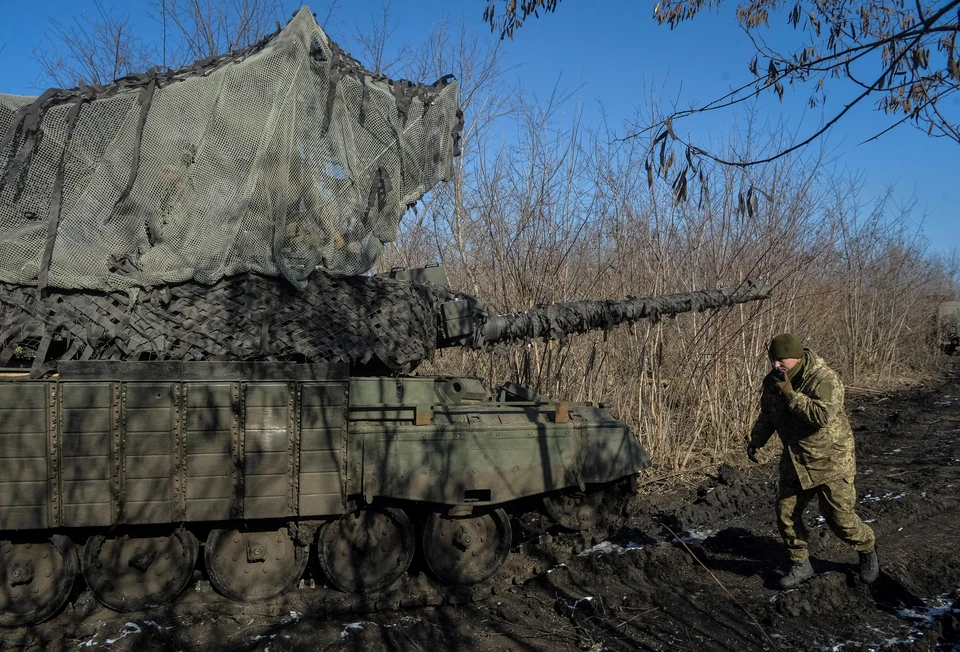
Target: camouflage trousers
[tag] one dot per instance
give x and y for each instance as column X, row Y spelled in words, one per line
column 837, row 498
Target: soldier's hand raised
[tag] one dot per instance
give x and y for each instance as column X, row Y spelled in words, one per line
column 786, row 388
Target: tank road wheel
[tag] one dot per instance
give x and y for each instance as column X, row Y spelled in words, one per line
column 254, row 566
column 366, row 550
column 466, row 549
column 135, row 573
column 575, row 510
column 35, row 579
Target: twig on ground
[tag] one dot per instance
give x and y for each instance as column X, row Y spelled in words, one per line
column 407, row 636
column 720, row 584
column 634, row 617
column 560, row 633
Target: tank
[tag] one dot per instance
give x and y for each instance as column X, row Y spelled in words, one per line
column 199, row 374
column 948, row 326
column 135, row 473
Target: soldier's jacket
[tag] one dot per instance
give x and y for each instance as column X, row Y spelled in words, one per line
column 816, row 435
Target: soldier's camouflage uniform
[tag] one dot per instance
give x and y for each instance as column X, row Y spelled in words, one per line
column 818, row 454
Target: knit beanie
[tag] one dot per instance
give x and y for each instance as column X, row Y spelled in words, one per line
column 785, row 346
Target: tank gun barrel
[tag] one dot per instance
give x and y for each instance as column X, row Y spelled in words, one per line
column 559, row 319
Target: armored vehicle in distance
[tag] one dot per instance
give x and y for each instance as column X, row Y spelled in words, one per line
column 948, row 326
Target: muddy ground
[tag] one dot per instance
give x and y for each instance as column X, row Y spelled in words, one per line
column 713, row 587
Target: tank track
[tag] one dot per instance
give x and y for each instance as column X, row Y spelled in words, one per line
column 540, row 549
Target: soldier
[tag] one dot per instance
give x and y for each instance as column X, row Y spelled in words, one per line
column 802, row 401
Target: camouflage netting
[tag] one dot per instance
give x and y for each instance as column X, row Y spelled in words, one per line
column 277, row 159
column 373, row 321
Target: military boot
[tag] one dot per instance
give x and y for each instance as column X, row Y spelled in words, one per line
column 800, row 572
column 869, row 567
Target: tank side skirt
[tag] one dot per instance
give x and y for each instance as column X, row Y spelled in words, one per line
column 236, row 443
column 344, row 448
column 179, row 454
column 240, row 460
column 294, row 394
column 117, row 450
column 54, row 429
column 488, row 458
column 509, row 461
column 321, row 459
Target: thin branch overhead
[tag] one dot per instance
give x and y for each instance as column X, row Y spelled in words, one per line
column 908, row 50
column 901, row 55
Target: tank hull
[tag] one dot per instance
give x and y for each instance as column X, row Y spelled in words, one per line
column 108, row 444
column 136, row 463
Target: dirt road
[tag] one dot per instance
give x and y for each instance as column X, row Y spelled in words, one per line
column 713, row 588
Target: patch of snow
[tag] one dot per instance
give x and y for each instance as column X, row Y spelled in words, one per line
column 346, row 628
column 697, row 534
column 576, row 603
column 557, row 567
column 925, row 617
column 870, row 498
column 89, row 643
column 607, row 548
column 403, row 622
column 263, row 637
column 870, row 520
column 890, row 642
column 128, row 628
column 933, row 609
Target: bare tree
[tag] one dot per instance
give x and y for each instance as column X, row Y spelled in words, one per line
column 374, row 40
column 100, row 47
column 92, row 49
column 446, row 227
column 204, row 29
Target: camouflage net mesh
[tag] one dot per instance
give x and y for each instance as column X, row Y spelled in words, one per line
column 373, row 321
column 277, row 159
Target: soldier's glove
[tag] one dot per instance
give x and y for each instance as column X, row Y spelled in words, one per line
column 784, row 385
column 752, row 453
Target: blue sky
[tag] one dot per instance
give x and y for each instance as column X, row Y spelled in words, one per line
column 609, row 52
